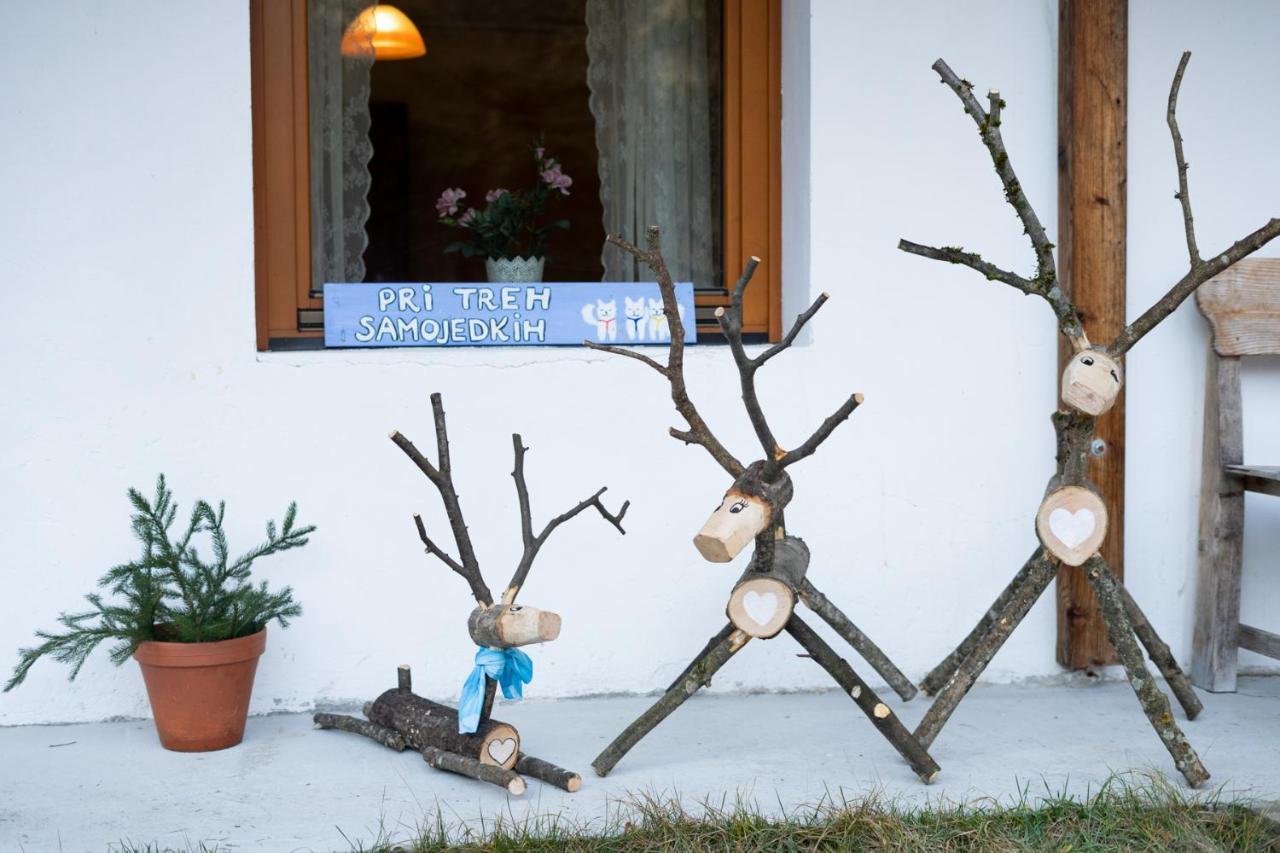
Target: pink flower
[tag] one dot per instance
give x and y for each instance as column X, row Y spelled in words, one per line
column 493, row 195
column 557, row 179
column 447, row 204
column 465, row 219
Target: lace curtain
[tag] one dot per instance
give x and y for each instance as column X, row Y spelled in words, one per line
column 648, row 68
column 338, row 89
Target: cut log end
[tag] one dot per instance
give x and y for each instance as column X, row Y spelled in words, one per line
column 761, row 606
column 1072, row 524
column 501, row 747
column 516, row 786
column 858, row 398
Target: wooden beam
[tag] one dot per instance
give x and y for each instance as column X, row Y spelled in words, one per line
column 1092, row 104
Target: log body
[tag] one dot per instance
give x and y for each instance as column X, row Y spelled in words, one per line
column 423, row 723
column 765, row 596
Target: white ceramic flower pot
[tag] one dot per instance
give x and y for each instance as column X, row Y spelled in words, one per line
column 514, row 270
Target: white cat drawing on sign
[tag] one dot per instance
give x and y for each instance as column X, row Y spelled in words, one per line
column 636, row 317
column 604, row 316
column 659, row 328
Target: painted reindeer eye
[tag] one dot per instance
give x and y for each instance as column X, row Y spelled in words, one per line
column 515, row 608
column 1087, row 361
column 738, row 506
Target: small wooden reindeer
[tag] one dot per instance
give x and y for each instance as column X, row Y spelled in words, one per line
column 468, row 740
column 763, row 602
column 1071, row 523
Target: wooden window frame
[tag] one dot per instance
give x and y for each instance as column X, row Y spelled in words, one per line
column 752, row 156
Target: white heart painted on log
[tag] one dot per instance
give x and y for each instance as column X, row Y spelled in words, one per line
column 1072, row 528
column 760, row 606
column 501, row 750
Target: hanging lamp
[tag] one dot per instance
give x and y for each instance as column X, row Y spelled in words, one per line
column 389, row 31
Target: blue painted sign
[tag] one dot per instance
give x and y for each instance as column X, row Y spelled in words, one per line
column 486, row 315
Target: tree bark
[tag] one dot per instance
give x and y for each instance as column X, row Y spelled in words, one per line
column 957, row 687
column 940, row 674
column 466, row 766
column 1161, row 656
column 1154, row 703
column 870, row 652
column 424, row 723
column 880, row 715
column 696, row 675
column 383, row 735
column 547, row 772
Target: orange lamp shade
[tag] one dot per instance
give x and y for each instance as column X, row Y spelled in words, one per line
column 388, row 30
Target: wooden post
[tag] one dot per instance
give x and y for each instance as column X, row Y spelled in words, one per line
column 1092, row 104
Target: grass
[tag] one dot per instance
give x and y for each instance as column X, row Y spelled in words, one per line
column 1146, row 814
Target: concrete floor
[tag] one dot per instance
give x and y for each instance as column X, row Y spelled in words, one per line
column 290, row 787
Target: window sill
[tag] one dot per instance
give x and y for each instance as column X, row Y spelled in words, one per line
column 298, row 355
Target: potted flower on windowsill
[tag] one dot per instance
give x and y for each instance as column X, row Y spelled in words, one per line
column 509, row 232
column 196, row 626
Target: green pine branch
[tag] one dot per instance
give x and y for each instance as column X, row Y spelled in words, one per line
column 170, row 593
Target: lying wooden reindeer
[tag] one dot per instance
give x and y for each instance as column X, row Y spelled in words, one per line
column 763, row 602
column 1071, row 523
column 468, row 740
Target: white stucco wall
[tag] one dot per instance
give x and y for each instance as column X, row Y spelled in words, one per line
column 128, row 349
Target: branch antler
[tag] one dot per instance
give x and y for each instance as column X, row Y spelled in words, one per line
column 1201, row 270
column 730, row 321
column 1045, row 282
column 698, row 431
column 532, row 543
column 442, row 478
column 776, row 458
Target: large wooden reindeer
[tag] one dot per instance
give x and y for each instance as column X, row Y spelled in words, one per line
column 763, row 601
column 467, row 740
column 1071, row 523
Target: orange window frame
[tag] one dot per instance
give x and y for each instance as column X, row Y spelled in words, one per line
column 752, row 156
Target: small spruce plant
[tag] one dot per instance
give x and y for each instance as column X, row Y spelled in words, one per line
column 170, row 593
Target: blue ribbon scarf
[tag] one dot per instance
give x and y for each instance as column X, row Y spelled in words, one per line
column 511, row 668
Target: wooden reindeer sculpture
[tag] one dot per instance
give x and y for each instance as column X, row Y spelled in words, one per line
column 763, row 602
column 467, row 740
column 1072, row 521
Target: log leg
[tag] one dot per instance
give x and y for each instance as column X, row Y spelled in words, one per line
column 490, row 693
column 877, row 712
column 549, row 773
column 697, row 674
column 1154, row 703
column 833, row 616
column 383, row 735
column 938, row 676
column 1041, row 574
column 466, row 766
column 1160, row 653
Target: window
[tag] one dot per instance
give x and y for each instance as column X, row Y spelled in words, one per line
column 496, row 78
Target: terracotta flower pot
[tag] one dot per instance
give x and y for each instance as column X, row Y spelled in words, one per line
column 200, row 691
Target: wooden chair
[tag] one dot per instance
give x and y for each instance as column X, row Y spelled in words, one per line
column 1243, row 307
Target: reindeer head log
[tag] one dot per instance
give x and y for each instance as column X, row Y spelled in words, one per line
column 1091, row 382
column 505, row 626
column 749, row 507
